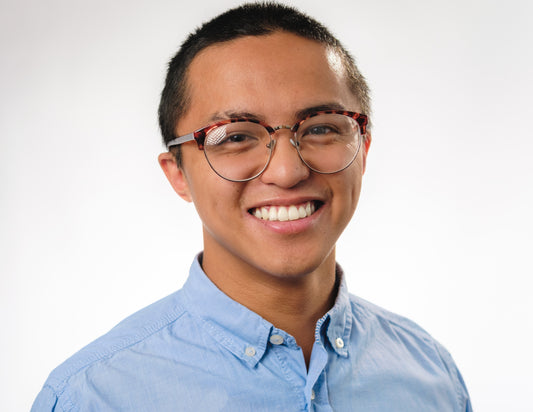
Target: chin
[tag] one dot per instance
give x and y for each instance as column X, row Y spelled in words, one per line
column 287, row 267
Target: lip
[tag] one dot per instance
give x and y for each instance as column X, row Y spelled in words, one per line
column 288, row 226
column 282, row 201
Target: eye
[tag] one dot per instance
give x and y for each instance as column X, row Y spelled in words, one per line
column 222, row 136
column 237, row 138
column 319, row 129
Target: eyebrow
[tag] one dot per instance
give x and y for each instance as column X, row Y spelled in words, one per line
column 234, row 115
column 300, row 114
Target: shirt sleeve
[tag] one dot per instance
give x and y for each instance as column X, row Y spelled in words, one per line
column 460, row 388
column 46, row 401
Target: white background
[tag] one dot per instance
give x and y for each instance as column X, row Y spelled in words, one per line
column 90, row 231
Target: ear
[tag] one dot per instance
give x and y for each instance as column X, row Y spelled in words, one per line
column 175, row 175
column 367, row 139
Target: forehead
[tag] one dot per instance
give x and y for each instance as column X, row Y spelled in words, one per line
column 266, row 74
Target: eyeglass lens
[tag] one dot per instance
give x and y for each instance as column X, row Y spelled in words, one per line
column 326, row 143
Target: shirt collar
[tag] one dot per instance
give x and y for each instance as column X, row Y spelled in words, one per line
column 336, row 324
column 238, row 329
column 243, row 332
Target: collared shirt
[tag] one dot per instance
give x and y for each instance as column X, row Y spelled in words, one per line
column 199, row 350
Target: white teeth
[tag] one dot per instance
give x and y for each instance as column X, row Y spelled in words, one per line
column 293, row 213
column 264, row 213
column 284, row 213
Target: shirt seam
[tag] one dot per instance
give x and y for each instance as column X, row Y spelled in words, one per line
column 57, row 394
column 448, row 362
column 62, row 384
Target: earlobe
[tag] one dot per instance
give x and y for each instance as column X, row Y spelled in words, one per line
column 367, row 139
column 175, row 175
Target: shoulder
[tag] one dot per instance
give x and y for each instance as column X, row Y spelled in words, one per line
column 377, row 321
column 367, row 312
column 138, row 329
column 408, row 342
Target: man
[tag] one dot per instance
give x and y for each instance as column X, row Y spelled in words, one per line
column 265, row 117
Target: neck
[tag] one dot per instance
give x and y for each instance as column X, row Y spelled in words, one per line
column 292, row 302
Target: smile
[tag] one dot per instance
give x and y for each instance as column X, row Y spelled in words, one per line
column 284, row 213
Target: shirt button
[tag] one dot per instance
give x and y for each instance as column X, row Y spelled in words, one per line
column 249, row 351
column 276, row 339
column 312, row 394
column 339, row 343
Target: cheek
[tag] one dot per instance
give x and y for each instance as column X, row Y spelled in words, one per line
column 348, row 188
column 357, row 175
column 215, row 199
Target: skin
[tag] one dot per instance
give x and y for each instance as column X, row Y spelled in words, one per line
column 283, row 271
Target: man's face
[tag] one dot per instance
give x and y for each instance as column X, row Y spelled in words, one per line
column 271, row 78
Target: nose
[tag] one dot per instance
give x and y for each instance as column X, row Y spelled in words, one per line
column 285, row 168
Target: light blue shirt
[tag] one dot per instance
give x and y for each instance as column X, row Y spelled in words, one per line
column 198, row 350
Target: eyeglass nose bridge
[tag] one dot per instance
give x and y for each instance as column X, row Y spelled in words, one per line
column 284, row 126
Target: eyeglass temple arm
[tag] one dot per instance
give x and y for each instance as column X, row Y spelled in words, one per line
column 181, row 139
column 362, row 119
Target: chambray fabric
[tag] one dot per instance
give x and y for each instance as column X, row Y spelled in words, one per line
column 198, row 350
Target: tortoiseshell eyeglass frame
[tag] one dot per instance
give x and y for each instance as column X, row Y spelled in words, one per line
column 200, row 134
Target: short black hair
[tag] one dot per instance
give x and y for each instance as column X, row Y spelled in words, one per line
column 251, row 19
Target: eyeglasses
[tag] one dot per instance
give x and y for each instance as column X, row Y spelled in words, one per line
column 240, row 149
